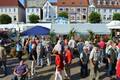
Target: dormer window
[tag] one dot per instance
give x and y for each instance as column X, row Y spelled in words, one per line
column 110, row 2
column 73, row 3
column 98, row 2
column 63, row 2
column 104, row 2
column 113, row 2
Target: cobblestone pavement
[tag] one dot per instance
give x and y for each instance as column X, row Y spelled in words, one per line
column 47, row 72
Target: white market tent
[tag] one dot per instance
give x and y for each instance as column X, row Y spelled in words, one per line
column 114, row 25
column 80, row 27
column 23, row 27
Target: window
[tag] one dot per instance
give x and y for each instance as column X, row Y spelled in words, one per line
column 49, row 16
column 14, row 10
column 78, row 9
column 63, row 2
column 61, row 9
column 98, row 10
column 5, row 9
column 32, row 10
column 115, row 10
column 104, row 10
column 110, row 17
column 84, row 17
column 14, row 18
column 78, row 18
column 104, row 17
column 113, row 2
column 1, row 9
column 66, row 9
column 73, row 3
column 28, row 10
column 37, row 10
column 9, row 10
column 72, row 17
column 110, row 10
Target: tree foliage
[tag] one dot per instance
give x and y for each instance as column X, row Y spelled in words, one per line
column 34, row 18
column 5, row 19
column 116, row 16
column 91, row 35
column 63, row 14
column 94, row 17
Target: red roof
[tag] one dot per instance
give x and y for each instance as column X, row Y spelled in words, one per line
column 4, row 3
column 73, row 3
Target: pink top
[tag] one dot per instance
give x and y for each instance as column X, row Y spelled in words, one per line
column 101, row 44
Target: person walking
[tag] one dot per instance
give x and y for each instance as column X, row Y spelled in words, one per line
column 48, row 50
column 3, row 57
column 84, row 59
column 68, row 61
column 118, row 67
column 40, row 53
column 58, row 61
column 72, row 45
column 19, row 50
column 94, row 63
column 21, row 71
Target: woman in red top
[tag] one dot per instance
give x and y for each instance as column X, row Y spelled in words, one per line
column 118, row 69
column 59, row 66
column 68, row 60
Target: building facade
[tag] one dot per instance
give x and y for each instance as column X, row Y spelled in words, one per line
column 34, row 7
column 77, row 9
column 14, row 9
column 107, row 8
column 49, row 11
column 30, row 11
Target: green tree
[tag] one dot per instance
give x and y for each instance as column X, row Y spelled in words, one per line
column 94, row 17
column 91, row 35
column 34, row 18
column 116, row 16
column 5, row 19
column 63, row 14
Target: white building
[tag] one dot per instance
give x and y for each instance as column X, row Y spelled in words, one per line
column 34, row 7
column 77, row 9
column 14, row 9
column 29, row 11
column 49, row 11
column 107, row 8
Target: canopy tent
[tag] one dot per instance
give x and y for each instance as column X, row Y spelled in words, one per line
column 80, row 28
column 114, row 25
column 37, row 30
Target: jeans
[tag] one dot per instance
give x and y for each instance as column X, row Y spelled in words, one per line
column 19, row 78
column 84, row 69
column 58, row 75
column 48, row 59
column 39, row 60
column 3, row 65
column 111, row 69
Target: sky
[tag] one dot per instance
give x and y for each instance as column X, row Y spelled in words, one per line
column 22, row 1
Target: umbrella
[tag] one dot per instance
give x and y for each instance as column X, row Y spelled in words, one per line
column 37, row 30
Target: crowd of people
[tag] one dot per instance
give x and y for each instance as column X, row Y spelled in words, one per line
column 93, row 53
